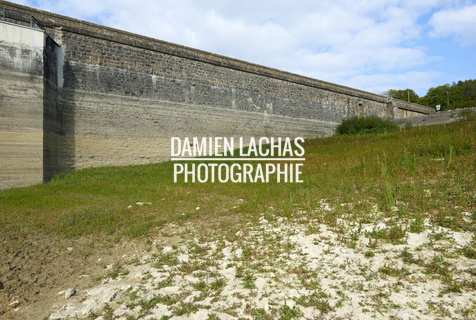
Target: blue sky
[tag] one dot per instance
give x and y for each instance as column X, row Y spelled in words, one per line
column 373, row 45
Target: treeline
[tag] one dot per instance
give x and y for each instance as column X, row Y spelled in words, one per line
column 449, row 96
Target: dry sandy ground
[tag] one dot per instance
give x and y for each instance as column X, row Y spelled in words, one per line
column 274, row 269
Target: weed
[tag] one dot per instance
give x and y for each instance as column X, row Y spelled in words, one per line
column 201, row 286
column 394, row 272
column 240, row 272
column 469, row 250
column 453, row 287
column 167, row 282
column 450, row 157
column 440, row 267
column 184, row 308
column 313, row 229
column 319, row 300
column 417, row 225
column 151, row 303
column 286, row 313
column 249, row 281
column 261, row 314
column 217, row 284
column 390, row 194
column 108, row 312
column 407, row 257
column 116, row 271
column 438, row 235
column 168, row 300
column 409, row 161
column 369, row 254
column 133, row 295
column 169, row 259
column 394, row 234
column 213, row 316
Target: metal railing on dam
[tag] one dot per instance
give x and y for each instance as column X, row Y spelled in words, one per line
column 19, row 18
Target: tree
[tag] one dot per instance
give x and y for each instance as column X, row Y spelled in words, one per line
column 448, row 96
column 454, row 96
column 437, row 96
column 468, row 91
column 405, row 95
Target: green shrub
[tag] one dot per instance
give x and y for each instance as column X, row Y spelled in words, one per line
column 356, row 125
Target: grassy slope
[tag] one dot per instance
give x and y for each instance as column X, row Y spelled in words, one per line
column 426, row 172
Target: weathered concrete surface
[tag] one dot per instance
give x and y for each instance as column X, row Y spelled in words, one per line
column 434, row 118
column 21, row 106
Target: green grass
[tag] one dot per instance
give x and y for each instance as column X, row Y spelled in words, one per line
column 414, row 173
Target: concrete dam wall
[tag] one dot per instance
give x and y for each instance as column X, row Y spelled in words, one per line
column 74, row 94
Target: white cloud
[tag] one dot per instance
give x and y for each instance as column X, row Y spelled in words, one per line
column 378, row 83
column 23, row 2
column 459, row 22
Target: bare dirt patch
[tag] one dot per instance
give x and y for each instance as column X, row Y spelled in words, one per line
column 34, row 269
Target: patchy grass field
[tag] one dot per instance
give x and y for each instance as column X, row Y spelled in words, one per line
column 383, row 226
